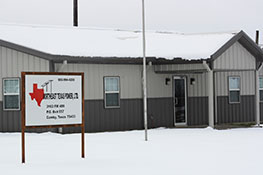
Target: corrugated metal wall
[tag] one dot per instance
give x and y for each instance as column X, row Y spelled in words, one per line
column 197, row 102
column 247, row 79
column 197, row 111
column 261, row 111
column 130, row 114
column 160, row 102
column 156, row 87
column 178, row 67
column 131, row 83
column 236, row 112
column 235, row 61
column 235, row 58
column 10, row 121
column 12, row 64
column 199, row 88
column 160, row 112
column 130, row 80
column 128, row 117
column 160, row 97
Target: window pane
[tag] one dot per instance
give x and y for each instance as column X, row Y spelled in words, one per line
column 11, row 86
column 112, row 100
column 11, row 102
column 112, row 84
column 234, row 83
column 234, row 96
column 261, row 82
column 261, row 95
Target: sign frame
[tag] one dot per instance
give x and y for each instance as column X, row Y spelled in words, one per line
column 23, row 107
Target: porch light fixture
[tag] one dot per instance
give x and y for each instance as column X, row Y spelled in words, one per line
column 167, row 81
column 192, row 81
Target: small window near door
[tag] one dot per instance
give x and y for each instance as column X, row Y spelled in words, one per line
column 234, row 89
column 112, row 92
column 11, row 94
column 261, row 89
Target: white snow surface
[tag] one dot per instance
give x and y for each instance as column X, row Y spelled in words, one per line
column 168, row 151
column 92, row 42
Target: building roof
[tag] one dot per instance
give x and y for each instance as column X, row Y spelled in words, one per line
column 90, row 42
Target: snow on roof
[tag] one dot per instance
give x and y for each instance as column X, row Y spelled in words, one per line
column 79, row 41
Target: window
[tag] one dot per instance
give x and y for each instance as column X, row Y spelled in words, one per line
column 261, row 89
column 234, row 89
column 11, row 95
column 111, row 92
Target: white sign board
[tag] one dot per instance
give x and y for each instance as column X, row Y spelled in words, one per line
column 53, row 100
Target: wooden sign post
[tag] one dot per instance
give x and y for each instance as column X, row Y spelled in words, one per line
column 52, row 100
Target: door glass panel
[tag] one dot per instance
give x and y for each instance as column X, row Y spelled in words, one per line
column 179, row 100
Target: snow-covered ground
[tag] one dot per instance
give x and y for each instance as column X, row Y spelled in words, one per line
column 168, row 151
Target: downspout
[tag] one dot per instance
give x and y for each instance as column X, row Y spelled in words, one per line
column 257, row 96
column 210, row 87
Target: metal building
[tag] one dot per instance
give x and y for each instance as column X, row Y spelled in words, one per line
column 192, row 80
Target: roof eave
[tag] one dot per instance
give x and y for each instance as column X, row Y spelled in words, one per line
column 26, row 50
column 245, row 41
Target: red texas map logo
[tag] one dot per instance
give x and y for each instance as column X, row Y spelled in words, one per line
column 38, row 94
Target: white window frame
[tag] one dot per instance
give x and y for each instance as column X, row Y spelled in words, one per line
column 111, row 92
column 234, row 90
column 260, row 88
column 6, row 94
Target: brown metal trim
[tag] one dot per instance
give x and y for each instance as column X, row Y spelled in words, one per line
column 53, row 126
column 54, row 73
column 83, row 122
column 23, row 117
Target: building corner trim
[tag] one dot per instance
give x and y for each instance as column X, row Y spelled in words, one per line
column 257, row 95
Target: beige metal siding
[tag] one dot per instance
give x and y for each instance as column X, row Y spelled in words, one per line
column 156, row 87
column 13, row 63
column 130, row 78
column 199, row 89
column 131, row 82
column 247, row 79
column 235, row 58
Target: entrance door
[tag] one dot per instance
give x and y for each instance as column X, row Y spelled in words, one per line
column 180, row 101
